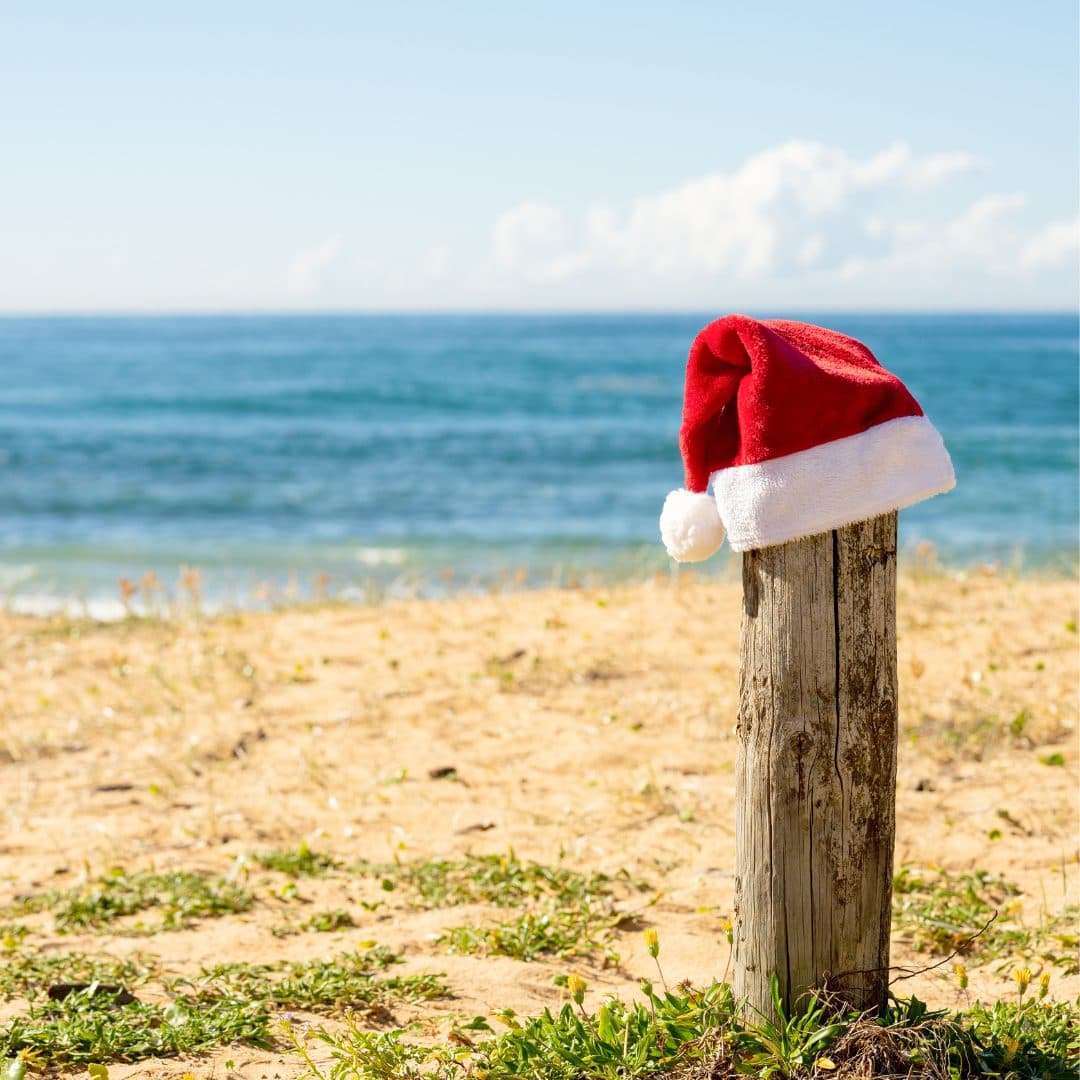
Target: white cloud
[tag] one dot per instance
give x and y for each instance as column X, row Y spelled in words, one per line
column 1054, row 245
column 436, row 261
column 529, row 231
column 799, row 210
column 983, row 229
column 811, row 249
column 898, row 163
column 308, row 268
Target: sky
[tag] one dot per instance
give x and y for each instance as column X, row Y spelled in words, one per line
column 193, row 156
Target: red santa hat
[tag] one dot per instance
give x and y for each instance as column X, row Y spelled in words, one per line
column 800, row 430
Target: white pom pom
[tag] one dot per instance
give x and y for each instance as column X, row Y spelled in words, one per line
column 690, row 525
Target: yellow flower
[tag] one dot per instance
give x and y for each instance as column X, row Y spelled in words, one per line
column 576, row 985
column 961, row 976
column 1023, row 979
column 1044, row 984
column 652, row 942
column 729, row 930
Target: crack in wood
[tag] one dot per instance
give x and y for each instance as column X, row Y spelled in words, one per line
column 814, row 844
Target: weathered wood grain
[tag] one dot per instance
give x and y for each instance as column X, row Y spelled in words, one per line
column 816, row 773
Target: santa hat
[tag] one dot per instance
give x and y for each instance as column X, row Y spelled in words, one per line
column 800, row 430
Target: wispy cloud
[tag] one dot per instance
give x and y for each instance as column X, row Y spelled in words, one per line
column 436, row 261
column 1056, row 244
column 528, row 234
column 308, row 268
column 801, row 208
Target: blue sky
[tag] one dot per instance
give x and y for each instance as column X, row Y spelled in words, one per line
column 344, row 156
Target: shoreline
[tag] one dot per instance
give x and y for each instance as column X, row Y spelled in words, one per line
column 191, row 589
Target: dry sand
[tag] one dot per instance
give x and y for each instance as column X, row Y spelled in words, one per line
column 593, row 725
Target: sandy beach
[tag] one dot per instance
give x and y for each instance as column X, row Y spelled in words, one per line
column 591, row 728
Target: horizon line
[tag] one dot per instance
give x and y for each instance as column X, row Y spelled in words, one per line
column 209, row 313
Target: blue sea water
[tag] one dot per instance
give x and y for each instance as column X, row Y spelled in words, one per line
column 436, row 452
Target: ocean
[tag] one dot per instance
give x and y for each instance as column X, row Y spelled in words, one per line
column 283, row 456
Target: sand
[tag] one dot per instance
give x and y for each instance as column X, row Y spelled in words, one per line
column 596, row 726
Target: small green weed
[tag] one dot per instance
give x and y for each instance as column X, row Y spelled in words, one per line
column 321, row 922
column 12, row 935
column 325, row 922
column 566, row 912
column 91, row 1025
column 179, row 896
column 1026, row 1038
column 29, row 973
column 694, row 1035
column 1061, row 930
column 788, row 1045
column 297, row 862
column 1014, row 1040
column 499, row 880
column 348, row 981
column 550, row 933
column 620, row 1042
column 98, row 1019
column 942, row 910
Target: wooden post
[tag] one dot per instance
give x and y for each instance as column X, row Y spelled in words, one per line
column 816, row 773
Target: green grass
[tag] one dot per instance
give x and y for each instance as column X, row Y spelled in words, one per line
column 531, row 935
column 297, row 862
column 28, row 973
column 348, row 981
column 942, row 910
column 563, row 912
column 320, row 922
column 123, row 1009
column 677, row 1034
column 1033, row 1039
column 643, row 1039
column 699, row 1035
column 326, row 922
column 499, row 880
column 12, row 935
column 1061, row 940
column 103, row 1019
column 92, row 1026
column 177, row 897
